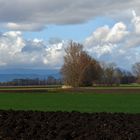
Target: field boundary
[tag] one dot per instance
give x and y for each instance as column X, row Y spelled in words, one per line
column 104, row 90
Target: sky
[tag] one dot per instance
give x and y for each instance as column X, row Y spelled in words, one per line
column 35, row 33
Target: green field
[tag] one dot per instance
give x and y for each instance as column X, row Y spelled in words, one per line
column 83, row 102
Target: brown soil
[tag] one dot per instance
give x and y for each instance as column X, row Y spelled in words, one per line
column 74, row 90
column 108, row 91
column 29, row 125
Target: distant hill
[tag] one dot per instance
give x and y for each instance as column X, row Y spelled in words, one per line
column 10, row 74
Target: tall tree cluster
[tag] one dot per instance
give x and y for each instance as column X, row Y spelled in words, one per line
column 79, row 68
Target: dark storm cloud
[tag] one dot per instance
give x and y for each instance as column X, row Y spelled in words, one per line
column 43, row 12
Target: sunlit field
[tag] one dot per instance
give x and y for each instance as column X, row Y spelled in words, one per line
column 53, row 99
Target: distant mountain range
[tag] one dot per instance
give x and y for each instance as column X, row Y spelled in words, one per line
column 10, row 74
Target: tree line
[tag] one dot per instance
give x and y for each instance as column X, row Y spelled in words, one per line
column 80, row 69
column 32, row 82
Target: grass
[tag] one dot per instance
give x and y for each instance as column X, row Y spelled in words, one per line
column 130, row 85
column 83, row 102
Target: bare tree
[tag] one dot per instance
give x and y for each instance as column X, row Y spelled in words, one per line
column 79, row 68
column 90, row 71
column 108, row 73
column 70, row 69
column 136, row 70
column 118, row 76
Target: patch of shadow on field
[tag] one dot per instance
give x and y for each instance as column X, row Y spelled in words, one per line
column 29, row 125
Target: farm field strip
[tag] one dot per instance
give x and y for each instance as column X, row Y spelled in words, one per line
column 106, row 90
column 129, row 103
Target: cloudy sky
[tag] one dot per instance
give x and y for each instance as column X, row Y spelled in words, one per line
column 34, row 33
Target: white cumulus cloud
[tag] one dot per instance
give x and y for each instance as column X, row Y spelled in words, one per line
column 24, row 26
column 15, row 51
column 119, row 43
column 136, row 22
